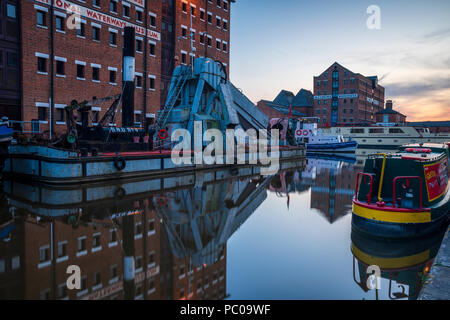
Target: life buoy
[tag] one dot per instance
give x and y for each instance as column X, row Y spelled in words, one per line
column 120, row 193
column 162, row 201
column 298, row 132
column 418, row 150
column 163, row 134
column 120, row 163
column 305, row 132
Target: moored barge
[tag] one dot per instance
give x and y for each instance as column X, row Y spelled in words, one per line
column 403, row 194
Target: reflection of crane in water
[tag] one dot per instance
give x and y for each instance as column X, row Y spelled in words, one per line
column 200, row 221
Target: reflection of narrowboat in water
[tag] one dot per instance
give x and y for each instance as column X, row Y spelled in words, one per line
column 404, row 194
column 404, row 264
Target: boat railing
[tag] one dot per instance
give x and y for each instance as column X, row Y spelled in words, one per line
column 407, row 178
column 33, row 126
column 369, row 196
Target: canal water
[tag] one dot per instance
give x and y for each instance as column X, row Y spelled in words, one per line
column 211, row 235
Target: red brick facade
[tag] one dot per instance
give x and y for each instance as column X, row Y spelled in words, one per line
column 78, row 53
column 342, row 97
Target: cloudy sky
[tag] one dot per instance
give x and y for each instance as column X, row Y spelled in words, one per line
column 282, row 44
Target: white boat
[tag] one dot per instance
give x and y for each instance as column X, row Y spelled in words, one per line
column 386, row 137
column 308, row 133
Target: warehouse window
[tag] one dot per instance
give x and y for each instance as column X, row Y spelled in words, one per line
column 209, row 41
column 96, row 33
column 202, row 14
column 126, row 10
column 138, row 15
column 95, row 74
column 138, row 118
column 184, row 7
column 80, row 30
column 96, row 3
column 151, row 82
column 218, row 22
column 183, row 57
column 42, row 116
column 202, row 38
column 59, row 23
column 41, row 18
column 193, row 10
column 113, row 6
column 80, row 72
column 42, row 65
column 209, row 17
column 218, row 3
column 225, row 5
column 139, row 81
column 225, row 25
column 225, row 46
column 152, row 49
column 139, row 46
column 152, row 20
column 218, row 44
column 113, row 38
column 184, row 31
column 60, row 68
column 60, row 118
column 112, row 76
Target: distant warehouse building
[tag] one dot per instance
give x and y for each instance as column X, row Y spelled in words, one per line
column 301, row 104
column 342, row 97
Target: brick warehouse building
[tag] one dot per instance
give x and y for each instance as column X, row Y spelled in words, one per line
column 65, row 56
column 9, row 59
column 342, row 97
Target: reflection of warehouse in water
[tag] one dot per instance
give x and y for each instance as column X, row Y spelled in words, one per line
column 178, row 237
column 331, row 181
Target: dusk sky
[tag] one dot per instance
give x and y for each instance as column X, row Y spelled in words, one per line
column 279, row 45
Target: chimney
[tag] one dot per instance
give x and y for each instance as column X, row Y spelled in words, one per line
column 128, row 78
column 389, row 104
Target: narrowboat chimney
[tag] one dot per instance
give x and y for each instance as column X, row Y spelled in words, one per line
column 128, row 78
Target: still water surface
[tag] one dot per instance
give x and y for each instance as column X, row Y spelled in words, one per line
column 216, row 235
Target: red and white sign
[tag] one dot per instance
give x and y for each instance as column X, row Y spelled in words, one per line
column 436, row 178
column 137, row 2
column 72, row 8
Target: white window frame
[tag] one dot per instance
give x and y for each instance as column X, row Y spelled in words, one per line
column 154, row 15
column 43, row 56
column 151, row 76
column 142, row 42
column 183, row 27
column 209, row 14
column 204, row 11
column 184, row 52
column 138, row 74
column 154, row 43
column 140, row 10
column 187, row 6
column 226, row 43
